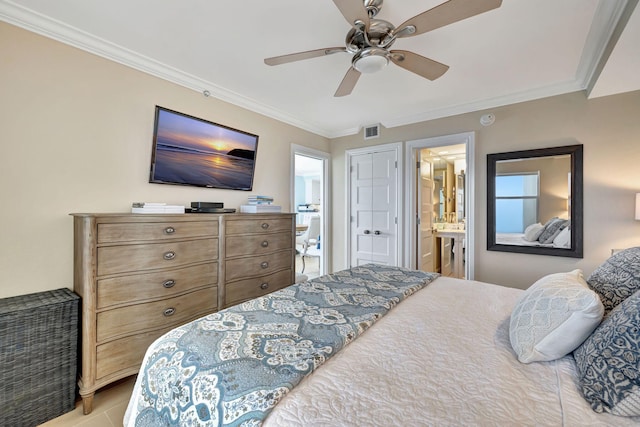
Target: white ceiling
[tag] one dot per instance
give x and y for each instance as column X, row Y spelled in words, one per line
column 526, row 49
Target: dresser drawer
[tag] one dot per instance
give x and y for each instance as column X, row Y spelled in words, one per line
column 257, row 245
column 258, row 225
column 125, row 258
column 125, row 353
column 134, row 318
column 162, row 284
column 243, row 290
column 132, row 232
column 257, row 266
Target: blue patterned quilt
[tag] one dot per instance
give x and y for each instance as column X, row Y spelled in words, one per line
column 232, row 367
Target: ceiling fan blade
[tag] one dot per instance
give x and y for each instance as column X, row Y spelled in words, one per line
column 348, row 82
column 354, row 12
column 277, row 60
column 444, row 14
column 424, row 67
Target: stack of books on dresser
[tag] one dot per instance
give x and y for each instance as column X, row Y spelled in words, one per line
column 260, row 204
column 156, row 208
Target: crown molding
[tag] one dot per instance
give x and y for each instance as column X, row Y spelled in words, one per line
column 605, row 22
column 602, row 30
column 514, row 98
column 56, row 30
column 608, row 24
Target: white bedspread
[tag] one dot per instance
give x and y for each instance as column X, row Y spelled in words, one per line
column 518, row 240
column 446, row 361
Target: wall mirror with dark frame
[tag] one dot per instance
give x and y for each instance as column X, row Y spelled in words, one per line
column 534, row 201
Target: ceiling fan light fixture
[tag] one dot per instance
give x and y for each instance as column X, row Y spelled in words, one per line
column 370, row 60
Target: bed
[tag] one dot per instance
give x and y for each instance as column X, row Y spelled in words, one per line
column 555, row 233
column 519, row 239
column 391, row 347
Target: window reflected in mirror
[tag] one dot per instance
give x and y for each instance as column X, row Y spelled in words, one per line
column 517, row 196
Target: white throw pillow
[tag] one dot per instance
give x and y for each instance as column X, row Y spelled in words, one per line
column 553, row 317
column 563, row 240
column 532, row 232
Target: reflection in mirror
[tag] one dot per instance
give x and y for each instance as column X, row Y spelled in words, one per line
column 460, row 208
column 439, row 192
column 534, row 201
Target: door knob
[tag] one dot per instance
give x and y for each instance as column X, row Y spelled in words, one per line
column 377, row 232
column 367, row 232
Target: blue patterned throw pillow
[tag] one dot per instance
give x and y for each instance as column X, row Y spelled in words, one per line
column 607, row 362
column 617, row 278
column 551, row 229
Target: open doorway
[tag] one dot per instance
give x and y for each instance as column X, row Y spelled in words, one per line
column 310, row 202
column 440, row 236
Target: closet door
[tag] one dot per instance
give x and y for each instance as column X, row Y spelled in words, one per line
column 373, row 208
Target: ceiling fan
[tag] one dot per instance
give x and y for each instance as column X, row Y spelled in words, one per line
column 370, row 39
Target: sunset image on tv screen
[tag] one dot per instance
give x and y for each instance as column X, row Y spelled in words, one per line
column 192, row 151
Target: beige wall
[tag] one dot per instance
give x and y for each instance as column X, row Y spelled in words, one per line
column 76, row 133
column 609, row 129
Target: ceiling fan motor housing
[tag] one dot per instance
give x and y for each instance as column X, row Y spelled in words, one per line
column 370, row 48
column 378, row 35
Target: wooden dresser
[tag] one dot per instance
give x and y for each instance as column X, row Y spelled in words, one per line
column 259, row 256
column 142, row 275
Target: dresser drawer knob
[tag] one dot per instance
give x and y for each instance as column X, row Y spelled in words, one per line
column 169, row 312
column 169, row 230
column 169, row 283
column 169, row 255
column 264, row 286
column 264, row 225
column 264, row 264
column 264, row 243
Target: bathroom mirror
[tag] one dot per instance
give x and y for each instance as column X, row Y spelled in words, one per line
column 534, row 201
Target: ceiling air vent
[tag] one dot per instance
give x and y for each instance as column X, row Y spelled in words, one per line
column 371, row 132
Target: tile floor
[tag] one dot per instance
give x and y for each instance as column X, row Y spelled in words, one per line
column 312, row 266
column 109, row 405
column 110, row 402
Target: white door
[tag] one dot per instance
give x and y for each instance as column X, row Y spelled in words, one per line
column 425, row 239
column 374, row 208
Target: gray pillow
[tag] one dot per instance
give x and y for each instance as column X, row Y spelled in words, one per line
column 617, row 278
column 607, row 362
column 552, row 229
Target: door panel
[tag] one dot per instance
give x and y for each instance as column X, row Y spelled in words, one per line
column 425, row 239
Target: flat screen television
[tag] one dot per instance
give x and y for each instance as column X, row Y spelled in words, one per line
column 192, row 151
